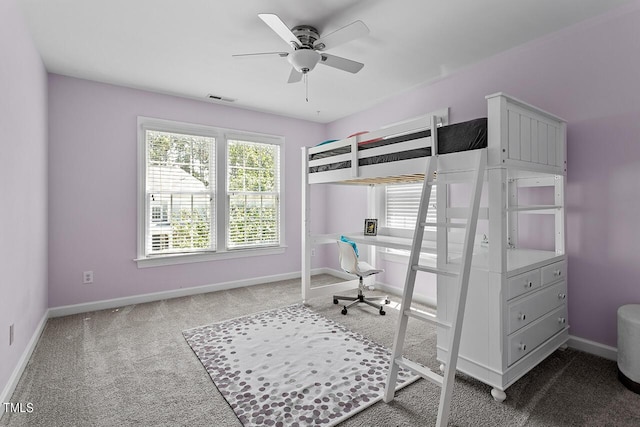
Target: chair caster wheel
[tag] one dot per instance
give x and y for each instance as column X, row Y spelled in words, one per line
column 344, row 310
column 382, row 312
column 335, row 301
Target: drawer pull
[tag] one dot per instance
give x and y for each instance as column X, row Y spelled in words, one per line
column 522, row 347
column 557, row 273
column 528, row 285
column 562, row 296
column 522, row 316
column 562, row 320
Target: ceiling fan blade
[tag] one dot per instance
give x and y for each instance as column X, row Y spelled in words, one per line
column 295, row 76
column 282, row 54
column 280, row 28
column 341, row 63
column 343, row 35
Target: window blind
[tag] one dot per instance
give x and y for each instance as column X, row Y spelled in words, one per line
column 179, row 193
column 402, row 203
column 253, row 191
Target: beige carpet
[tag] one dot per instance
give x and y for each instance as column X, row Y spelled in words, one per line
column 132, row 366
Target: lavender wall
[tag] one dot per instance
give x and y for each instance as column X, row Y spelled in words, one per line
column 93, row 182
column 589, row 75
column 23, row 188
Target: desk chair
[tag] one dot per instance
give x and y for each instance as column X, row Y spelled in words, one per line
column 349, row 263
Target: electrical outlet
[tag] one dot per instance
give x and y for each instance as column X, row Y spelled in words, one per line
column 313, row 252
column 11, row 334
column 87, row 277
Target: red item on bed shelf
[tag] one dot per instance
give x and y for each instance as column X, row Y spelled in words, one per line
column 368, row 141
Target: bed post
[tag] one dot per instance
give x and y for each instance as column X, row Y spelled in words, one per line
column 355, row 171
column 560, row 186
column 306, row 228
column 560, row 215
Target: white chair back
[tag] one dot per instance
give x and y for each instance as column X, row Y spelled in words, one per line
column 348, row 258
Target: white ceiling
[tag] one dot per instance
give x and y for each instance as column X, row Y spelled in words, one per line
column 184, row 47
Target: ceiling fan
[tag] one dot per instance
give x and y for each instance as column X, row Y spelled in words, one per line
column 308, row 46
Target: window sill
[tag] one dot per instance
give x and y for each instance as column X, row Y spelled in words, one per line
column 174, row 259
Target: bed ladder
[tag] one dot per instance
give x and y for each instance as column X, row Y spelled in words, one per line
column 446, row 380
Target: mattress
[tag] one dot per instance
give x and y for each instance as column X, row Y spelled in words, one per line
column 469, row 135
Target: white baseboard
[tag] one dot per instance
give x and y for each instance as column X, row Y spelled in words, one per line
column 417, row 297
column 333, row 272
column 176, row 293
column 593, row 347
column 22, row 362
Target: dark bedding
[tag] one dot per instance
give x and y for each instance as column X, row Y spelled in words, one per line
column 469, row 135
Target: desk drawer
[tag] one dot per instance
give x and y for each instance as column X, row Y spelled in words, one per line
column 525, row 341
column 523, row 283
column 534, row 306
column 553, row 272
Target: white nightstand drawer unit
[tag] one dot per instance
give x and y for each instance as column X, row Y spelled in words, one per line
column 526, row 310
column 521, row 343
column 554, row 272
column 523, row 283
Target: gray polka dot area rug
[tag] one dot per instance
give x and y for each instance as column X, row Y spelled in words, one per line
column 292, row 367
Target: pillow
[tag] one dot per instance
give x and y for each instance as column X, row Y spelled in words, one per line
column 352, row 243
column 326, row 142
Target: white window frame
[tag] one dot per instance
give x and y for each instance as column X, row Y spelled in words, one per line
column 222, row 135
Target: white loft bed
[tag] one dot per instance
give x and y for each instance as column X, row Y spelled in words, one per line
column 516, row 308
column 322, row 160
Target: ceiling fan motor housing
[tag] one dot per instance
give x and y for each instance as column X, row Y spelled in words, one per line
column 306, row 34
column 304, row 58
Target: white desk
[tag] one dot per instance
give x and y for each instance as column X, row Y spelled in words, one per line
column 393, row 242
column 380, row 240
column 359, row 237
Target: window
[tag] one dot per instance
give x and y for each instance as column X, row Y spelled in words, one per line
column 402, row 203
column 179, row 192
column 400, row 207
column 253, row 183
column 206, row 193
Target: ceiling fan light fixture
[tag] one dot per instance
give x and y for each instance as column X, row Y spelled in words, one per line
column 304, row 60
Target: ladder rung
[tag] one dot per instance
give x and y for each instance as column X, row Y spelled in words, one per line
column 444, row 224
column 416, row 368
column 426, row 317
column 435, row 270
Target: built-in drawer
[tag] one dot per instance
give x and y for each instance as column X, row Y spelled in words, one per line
column 553, row 272
column 523, row 283
column 531, row 307
column 524, row 342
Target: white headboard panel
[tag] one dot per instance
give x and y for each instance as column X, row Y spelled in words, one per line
column 525, row 136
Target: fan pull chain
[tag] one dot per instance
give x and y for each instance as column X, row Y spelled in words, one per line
column 306, row 85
